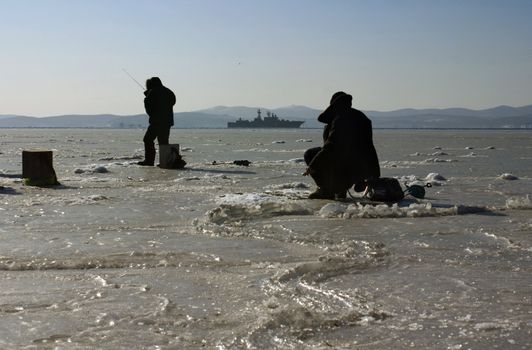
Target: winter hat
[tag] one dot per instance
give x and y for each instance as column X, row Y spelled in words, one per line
column 329, row 114
column 337, row 96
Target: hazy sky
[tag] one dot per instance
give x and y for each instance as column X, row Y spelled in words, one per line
column 66, row 56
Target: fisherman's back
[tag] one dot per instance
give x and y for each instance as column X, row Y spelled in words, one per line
column 353, row 153
column 348, row 155
column 159, row 104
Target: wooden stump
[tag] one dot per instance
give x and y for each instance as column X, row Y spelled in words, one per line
column 169, row 157
column 37, row 168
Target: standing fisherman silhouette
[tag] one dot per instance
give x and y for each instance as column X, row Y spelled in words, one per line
column 348, row 156
column 159, row 102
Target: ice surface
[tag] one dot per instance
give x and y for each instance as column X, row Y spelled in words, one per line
column 92, row 169
column 508, row 176
column 439, row 160
column 519, row 202
column 235, row 207
column 435, row 177
column 291, row 185
column 227, row 257
column 385, row 211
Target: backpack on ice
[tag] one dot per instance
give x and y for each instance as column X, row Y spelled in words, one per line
column 385, row 189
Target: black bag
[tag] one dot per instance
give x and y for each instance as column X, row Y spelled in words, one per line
column 179, row 162
column 385, row 189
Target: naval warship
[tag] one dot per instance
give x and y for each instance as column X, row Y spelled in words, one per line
column 270, row 121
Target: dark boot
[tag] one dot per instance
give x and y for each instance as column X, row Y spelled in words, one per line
column 340, row 196
column 321, row 194
column 149, row 155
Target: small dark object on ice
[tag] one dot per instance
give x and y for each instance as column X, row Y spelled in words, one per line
column 145, row 163
column 242, row 162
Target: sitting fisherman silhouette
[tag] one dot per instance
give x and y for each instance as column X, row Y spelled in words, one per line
column 348, row 156
column 159, row 102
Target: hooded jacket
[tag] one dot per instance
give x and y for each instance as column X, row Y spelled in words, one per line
column 159, row 102
column 348, row 153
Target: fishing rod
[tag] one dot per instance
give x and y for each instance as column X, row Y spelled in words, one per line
column 135, row 80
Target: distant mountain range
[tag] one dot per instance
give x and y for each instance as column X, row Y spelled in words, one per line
column 217, row 117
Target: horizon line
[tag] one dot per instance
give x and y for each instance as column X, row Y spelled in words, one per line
column 202, row 110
